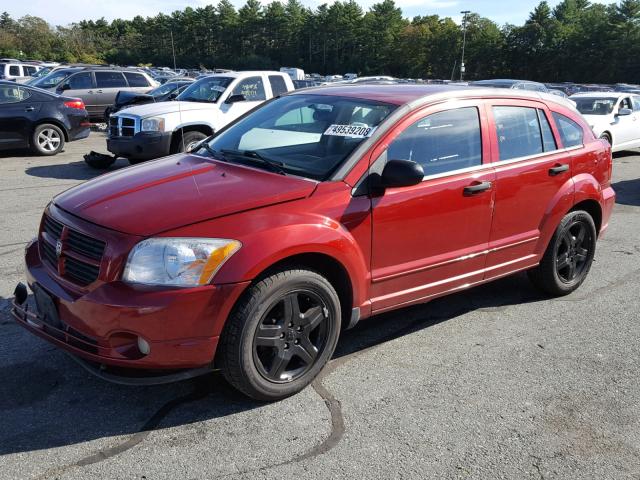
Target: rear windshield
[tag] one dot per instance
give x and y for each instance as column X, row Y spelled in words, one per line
column 595, row 105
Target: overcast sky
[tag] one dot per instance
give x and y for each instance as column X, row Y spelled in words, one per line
column 63, row 12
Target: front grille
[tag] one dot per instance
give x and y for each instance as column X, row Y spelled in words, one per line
column 80, row 272
column 122, row 126
column 85, row 245
column 113, row 126
column 83, row 270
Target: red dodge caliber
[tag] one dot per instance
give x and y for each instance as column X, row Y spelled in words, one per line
column 318, row 209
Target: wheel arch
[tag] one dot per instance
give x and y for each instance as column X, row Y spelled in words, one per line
column 327, row 266
column 52, row 121
column 593, row 208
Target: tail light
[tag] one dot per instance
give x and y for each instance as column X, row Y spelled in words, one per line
column 76, row 103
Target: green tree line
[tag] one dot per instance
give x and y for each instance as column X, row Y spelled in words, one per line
column 575, row 41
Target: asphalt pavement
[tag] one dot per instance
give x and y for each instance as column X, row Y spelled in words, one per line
column 495, row 382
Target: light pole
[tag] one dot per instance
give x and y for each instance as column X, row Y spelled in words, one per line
column 464, row 41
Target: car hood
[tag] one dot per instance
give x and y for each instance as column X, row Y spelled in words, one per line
column 176, row 191
column 163, row 108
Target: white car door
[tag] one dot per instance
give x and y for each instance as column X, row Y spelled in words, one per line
column 254, row 93
column 625, row 126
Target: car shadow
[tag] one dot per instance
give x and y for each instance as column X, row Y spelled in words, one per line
column 51, row 402
column 73, row 170
column 628, row 192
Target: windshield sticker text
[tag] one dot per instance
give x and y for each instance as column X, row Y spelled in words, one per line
column 355, row 131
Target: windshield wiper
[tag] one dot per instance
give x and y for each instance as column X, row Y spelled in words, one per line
column 254, row 156
column 214, row 153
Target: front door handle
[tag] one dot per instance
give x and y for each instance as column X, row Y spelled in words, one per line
column 98, row 91
column 558, row 169
column 29, row 109
column 477, row 188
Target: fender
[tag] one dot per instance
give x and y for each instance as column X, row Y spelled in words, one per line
column 587, row 188
column 560, row 204
column 195, row 124
column 259, row 251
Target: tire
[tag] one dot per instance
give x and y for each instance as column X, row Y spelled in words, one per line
column 569, row 255
column 47, row 140
column 607, row 137
column 280, row 335
column 188, row 140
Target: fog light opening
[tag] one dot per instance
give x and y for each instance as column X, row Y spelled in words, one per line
column 143, row 346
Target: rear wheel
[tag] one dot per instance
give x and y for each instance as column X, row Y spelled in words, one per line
column 569, row 256
column 281, row 334
column 47, row 139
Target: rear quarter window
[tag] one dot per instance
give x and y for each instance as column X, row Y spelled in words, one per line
column 571, row 132
column 136, row 79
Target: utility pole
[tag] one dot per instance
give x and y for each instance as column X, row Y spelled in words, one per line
column 464, row 41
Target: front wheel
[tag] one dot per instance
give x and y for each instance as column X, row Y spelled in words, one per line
column 568, row 257
column 281, row 334
column 188, row 141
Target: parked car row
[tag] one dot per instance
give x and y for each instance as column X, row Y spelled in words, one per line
column 307, row 215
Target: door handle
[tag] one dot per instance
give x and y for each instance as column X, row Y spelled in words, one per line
column 477, row 188
column 98, row 91
column 29, row 109
column 558, row 169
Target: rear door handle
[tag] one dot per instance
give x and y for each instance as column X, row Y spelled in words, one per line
column 29, row 109
column 558, row 169
column 477, row 188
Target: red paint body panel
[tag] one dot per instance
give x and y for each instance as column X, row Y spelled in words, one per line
column 175, row 191
column 402, row 246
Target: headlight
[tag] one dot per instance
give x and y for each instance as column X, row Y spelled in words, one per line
column 152, row 125
column 184, row 262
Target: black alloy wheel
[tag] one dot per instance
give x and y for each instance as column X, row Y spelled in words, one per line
column 281, row 333
column 572, row 252
column 568, row 257
column 290, row 336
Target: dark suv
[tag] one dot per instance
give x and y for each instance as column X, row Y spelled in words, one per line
column 96, row 86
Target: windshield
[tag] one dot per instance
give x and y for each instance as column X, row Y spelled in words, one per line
column 52, row 79
column 207, row 89
column 306, row 135
column 595, row 105
column 42, row 72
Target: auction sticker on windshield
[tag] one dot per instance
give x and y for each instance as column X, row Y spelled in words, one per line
column 357, row 131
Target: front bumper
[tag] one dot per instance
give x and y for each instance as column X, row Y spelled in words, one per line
column 181, row 326
column 142, row 146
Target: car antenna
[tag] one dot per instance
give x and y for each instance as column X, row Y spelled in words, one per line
column 173, row 50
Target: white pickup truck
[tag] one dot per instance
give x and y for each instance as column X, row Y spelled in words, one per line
column 158, row 129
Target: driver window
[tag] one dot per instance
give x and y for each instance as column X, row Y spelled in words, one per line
column 441, row 142
column 252, row 88
column 80, row 81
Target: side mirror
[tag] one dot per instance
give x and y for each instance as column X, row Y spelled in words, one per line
column 624, row 112
column 64, row 86
column 236, row 98
column 401, row 173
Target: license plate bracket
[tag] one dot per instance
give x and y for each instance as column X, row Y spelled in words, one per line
column 47, row 310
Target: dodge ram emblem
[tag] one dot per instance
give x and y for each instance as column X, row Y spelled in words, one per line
column 58, row 248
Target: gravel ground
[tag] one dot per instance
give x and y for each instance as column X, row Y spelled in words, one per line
column 495, row 382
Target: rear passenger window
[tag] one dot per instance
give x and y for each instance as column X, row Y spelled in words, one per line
column 14, row 71
column 518, row 130
column 110, row 80
column 442, row 142
column 570, row 132
column 548, row 141
column 136, row 79
column 278, row 87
